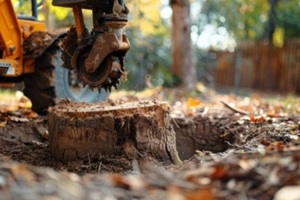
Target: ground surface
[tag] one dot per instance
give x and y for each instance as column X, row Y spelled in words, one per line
column 243, row 148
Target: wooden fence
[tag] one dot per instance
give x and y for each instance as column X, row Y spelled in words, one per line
column 258, row 65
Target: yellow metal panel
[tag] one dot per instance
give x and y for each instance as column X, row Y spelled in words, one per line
column 28, row 27
column 10, row 32
column 11, row 38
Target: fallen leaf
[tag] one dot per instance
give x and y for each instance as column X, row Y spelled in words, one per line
column 191, row 103
column 219, row 172
column 257, row 118
column 277, row 145
column 3, row 124
column 175, row 192
column 32, row 115
column 119, row 181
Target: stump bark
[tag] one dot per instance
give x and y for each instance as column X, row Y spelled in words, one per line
column 134, row 130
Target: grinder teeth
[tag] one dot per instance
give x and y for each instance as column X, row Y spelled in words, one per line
column 90, row 80
column 112, row 80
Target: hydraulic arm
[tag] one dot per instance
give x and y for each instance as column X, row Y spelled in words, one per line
column 97, row 54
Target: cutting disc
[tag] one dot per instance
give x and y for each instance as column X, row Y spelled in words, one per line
column 105, row 76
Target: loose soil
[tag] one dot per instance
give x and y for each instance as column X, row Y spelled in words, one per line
column 243, row 148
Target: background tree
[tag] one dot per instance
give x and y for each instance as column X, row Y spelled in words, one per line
column 242, row 19
column 183, row 64
column 249, row 19
column 271, row 25
column 287, row 17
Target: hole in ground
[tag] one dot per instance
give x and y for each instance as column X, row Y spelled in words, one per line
column 200, row 133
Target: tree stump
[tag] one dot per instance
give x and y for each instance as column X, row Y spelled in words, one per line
column 133, row 130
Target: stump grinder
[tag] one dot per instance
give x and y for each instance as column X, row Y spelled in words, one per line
column 29, row 53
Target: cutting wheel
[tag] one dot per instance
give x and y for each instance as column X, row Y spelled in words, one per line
column 107, row 75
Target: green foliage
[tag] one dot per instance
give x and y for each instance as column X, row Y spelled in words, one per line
column 248, row 19
column 150, row 51
column 22, row 7
column 149, row 54
column 288, row 15
column 243, row 19
column 145, row 16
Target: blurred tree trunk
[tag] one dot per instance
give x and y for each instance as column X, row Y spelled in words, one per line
column 183, row 63
column 271, row 25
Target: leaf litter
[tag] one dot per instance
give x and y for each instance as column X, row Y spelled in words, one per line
column 242, row 148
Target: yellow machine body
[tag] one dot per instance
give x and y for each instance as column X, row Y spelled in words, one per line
column 13, row 32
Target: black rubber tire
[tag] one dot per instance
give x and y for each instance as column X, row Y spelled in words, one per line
column 39, row 86
column 50, row 83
